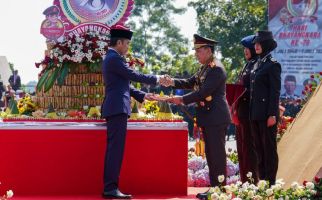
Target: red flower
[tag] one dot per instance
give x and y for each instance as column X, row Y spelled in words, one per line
column 317, row 179
column 304, row 183
column 312, row 76
column 321, row 73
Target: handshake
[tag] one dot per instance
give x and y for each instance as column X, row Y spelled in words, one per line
column 166, row 80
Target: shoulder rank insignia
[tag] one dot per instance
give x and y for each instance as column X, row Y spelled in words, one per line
column 273, row 59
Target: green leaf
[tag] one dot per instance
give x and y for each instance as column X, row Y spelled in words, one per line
column 42, row 80
column 51, row 79
column 62, row 74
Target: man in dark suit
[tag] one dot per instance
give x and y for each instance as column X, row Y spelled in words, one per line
column 15, row 81
column 264, row 105
column 212, row 112
column 116, row 106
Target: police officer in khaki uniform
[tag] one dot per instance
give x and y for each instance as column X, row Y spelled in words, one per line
column 212, row 112
column 264, row 105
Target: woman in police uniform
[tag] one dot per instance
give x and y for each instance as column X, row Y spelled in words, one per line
column 244, row 140
column 264, row 105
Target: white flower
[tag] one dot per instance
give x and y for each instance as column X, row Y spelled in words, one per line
column 9, row 193
column 221, row 178
column 236, row 198
column 294, row 185
column 309, row 185
column 239, row 183
column 214, row 196
column 252, row 187
column 280, row 181
column 269, row 192
column 217, row 189
column 276, row 187
column 249, row 174
column 251, row 194
column 261, row 184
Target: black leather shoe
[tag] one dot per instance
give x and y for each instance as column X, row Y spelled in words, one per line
column 115, row 194
column 202, row 196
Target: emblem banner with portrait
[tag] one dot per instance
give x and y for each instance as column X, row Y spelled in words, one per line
column 297, row 28
column 75, row 17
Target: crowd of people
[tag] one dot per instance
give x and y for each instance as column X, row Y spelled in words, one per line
column 7, row 92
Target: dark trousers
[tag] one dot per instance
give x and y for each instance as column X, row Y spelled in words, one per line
column 266, row 149
column 246, row 151
column 215, row 152
column 116, row 135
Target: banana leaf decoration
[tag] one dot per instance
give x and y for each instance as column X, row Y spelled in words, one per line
column 51, row 79
column 42, row 80
column 63, row 73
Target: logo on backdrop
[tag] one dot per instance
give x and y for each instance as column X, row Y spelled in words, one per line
column 72, row 17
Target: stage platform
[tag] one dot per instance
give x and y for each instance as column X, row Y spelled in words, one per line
column 192, row 192
column 64, row 159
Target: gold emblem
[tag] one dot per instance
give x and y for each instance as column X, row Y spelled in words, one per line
column 209, row 98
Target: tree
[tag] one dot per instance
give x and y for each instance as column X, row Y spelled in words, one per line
column 156, row 38
column 228, row 21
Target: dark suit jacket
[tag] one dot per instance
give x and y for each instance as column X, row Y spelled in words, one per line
column 216, row 111
column 243, row 102
column 117, row 76
column 265, row 89
column 17, row 85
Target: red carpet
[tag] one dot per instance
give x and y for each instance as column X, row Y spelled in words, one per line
column 192, row 191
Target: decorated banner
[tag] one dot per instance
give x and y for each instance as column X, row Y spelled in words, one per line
column 297, row 28
column 75, row 17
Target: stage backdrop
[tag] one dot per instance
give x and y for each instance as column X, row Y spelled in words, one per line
column 297, row 27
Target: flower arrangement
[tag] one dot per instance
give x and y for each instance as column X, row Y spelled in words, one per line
column 198, row 171
column 261, row 190
column 26, row 106
column 232, row 155
column 151, row 107
column 88, row 49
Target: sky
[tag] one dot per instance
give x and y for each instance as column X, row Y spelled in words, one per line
column 23, row 45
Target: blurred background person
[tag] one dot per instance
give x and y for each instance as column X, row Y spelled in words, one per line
column 265, row 89
column 15, row 80
column 2, row 93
